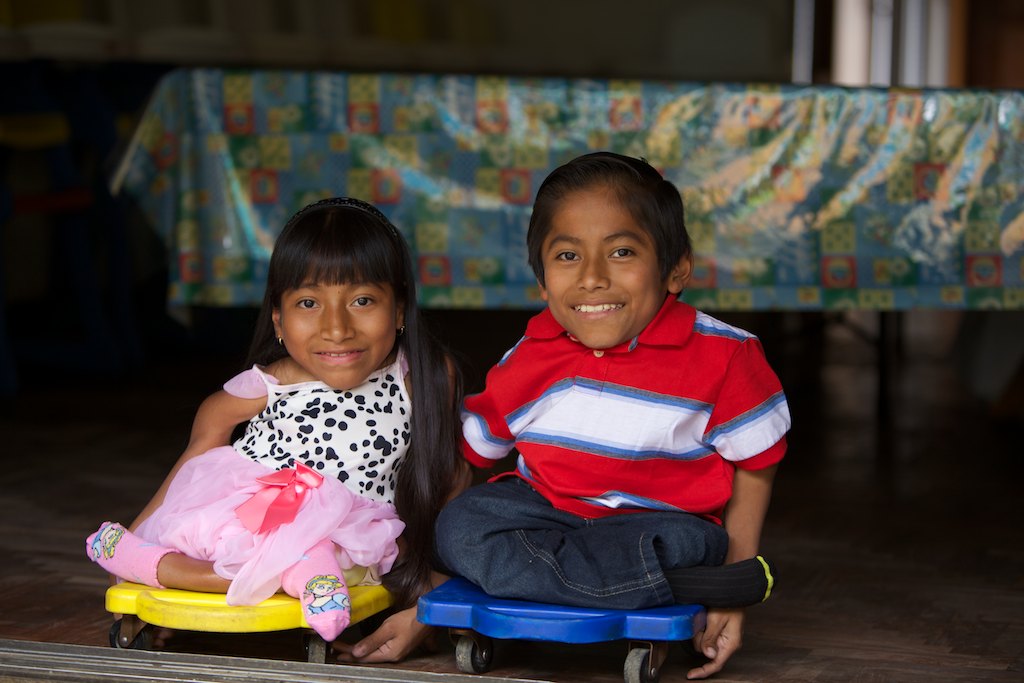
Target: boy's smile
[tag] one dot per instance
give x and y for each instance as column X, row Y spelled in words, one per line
column 602, row 280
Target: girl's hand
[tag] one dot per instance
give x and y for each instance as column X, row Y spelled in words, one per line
column 396, row 638
column 720, row 639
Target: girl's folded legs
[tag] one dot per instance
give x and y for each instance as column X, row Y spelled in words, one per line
column 125, row 555
column 131, row 558
column 731, row 585
column 316, row 579
column 319, row 584
column 178, row 570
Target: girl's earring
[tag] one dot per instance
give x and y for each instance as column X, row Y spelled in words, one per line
column 401, row 331
column 280, row 340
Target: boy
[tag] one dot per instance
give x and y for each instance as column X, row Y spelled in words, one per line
column 648, row 433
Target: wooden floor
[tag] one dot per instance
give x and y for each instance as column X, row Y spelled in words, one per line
column 899, row 542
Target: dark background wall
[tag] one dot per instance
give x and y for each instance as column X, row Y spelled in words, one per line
column 83, row 275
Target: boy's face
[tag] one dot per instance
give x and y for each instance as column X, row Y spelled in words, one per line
column 602, row 280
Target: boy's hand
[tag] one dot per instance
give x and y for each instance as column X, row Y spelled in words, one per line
column 399, row 635
column 720, row 639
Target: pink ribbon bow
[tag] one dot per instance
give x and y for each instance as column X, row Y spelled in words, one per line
column 279, row 500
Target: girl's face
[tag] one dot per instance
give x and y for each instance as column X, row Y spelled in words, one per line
column 339, row 334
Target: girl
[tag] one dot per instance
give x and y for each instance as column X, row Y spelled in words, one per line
column 338, row 447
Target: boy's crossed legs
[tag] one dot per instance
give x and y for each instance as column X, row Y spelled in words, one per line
column 509, row 540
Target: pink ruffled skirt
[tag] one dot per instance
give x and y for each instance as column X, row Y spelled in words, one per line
column 198, row 518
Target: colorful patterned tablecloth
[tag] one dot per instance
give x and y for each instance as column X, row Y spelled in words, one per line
column 796, row 197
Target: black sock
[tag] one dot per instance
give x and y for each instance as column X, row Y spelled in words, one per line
column 731, row 585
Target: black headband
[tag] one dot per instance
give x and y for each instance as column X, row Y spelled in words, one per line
column 346, row 202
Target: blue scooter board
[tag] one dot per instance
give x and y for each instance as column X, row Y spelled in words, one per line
column 475, row 617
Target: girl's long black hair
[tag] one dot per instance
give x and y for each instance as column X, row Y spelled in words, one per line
column 343, row 240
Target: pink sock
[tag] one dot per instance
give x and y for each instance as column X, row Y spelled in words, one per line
column 124, row 554
column 317, row 581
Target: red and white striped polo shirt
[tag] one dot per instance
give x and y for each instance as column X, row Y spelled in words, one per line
column 657, row 423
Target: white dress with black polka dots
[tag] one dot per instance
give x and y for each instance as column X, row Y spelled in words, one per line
column 358, row 436
column 354, row 439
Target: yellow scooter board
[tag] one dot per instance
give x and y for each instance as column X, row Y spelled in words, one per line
column 144, row 606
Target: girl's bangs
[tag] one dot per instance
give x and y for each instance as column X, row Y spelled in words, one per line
column 334, row 269
column 352, row 255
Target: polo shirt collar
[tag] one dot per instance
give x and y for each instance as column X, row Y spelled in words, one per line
column 543, row 326
column 672, row 324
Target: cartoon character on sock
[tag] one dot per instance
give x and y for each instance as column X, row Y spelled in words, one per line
column 105, row 542
column 325, row 587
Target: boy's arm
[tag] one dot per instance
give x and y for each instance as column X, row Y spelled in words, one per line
column 746, row 510
column 743, row 519
column 486, row 437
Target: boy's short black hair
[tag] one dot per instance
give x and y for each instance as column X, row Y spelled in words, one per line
column 653, row 202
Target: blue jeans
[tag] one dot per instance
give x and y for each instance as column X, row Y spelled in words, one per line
column 508, row 539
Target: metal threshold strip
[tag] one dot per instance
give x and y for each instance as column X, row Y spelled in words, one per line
column 30, row 662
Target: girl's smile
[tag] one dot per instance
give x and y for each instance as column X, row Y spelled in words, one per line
column 340, row 357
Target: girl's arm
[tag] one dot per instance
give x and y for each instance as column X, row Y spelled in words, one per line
column 463, row 478
column 216, row 418
column 401, row 633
